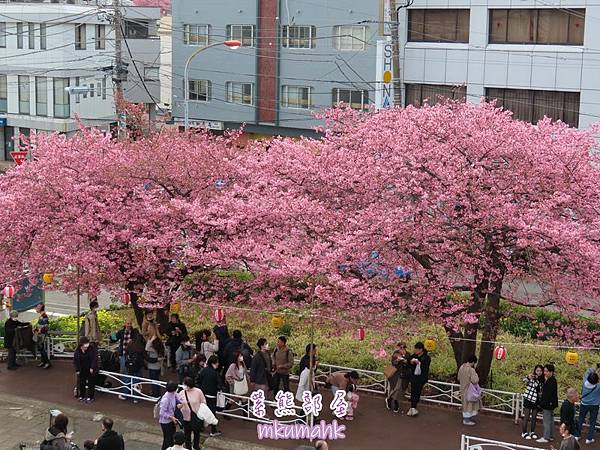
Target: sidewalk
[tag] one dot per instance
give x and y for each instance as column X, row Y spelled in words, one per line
column 374, row 427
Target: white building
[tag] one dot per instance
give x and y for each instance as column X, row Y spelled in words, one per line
column 165, row 32
column 536, row 57
column 47, row 47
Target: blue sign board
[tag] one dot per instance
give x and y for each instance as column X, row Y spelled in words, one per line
column 3, row 121
column 27, row 297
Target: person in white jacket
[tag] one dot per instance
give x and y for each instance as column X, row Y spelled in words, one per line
column 204, row 346
column 304, row 383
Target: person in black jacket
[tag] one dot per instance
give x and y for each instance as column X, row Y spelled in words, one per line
column 124, row 336
column 420, row 362
column 548, row 403
column 109, row 439
column 176, row 330
column 10, row 330
column 567, row 409
column 86, row 367
column 209, row 382
column 237, row 344
column 260, row 369
column 222, row 335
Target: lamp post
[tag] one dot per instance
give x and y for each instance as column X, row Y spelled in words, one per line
column 232, row 44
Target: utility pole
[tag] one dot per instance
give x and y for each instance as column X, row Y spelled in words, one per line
column 119, row 97
column 396, row 6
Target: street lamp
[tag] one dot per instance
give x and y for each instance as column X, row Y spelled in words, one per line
column 232, row 44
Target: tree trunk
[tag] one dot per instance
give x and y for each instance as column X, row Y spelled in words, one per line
column 162, row 314
column 139, row 312
column 489, row 333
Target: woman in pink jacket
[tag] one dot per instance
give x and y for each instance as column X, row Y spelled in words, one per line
column 191, row 397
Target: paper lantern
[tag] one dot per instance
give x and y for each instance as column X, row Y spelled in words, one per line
column 175, row 308
column 277, row 321
column 48, row 278
column 430, row 345
column 219, row 315
column 8, row 291
column 571, row 358
column 361, row 334
column 126, row 298
column 500, row 352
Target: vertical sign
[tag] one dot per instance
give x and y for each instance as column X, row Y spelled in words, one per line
column 384, row 94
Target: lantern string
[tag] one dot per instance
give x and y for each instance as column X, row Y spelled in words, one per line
column 355, row 322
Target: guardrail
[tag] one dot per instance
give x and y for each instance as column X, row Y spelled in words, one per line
column 238, row 406
column 440, row 392
column 475, row 443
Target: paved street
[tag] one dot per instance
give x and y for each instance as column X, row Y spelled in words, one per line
column 436, row 428
column 61, row 304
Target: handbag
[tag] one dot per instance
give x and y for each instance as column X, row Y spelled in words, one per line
column 221, row 401
column 240, row 387
column 195, row 422
column 418, row 369
column 389, row 371
column 473, row 393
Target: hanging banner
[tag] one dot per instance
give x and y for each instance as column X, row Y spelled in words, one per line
column 384, row 77
column 385, row 17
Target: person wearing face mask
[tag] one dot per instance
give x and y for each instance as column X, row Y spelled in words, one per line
column 236, row 376
column 191, row 398
column 86, row 367
column 209, row 381
column 260, row 369
column 184, row 358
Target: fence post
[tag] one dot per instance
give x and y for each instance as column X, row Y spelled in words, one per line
column 517, row 402
column 463, row 443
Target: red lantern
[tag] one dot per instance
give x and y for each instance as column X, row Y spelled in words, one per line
column 9, row 291
column 126, row 298
column 219, row 315
column 361, row 334
column 500, row 352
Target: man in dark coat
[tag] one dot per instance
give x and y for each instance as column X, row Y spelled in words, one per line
column 10, row 331
column 209, row 382
column 237, row 344
column 124, row 336
column 176, row 331
column 420, row 362
column 110, row 439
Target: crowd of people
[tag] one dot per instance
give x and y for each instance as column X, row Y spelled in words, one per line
column 206, row 364
column 214, row 361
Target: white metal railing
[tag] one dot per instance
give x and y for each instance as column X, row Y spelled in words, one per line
column 475, row 443
column 440, row 392
column 238, row 406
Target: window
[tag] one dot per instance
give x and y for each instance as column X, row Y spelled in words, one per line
column 61, row 98
column 80, row 39
column 19, row 35
column 104, row 88
column 296, row 36
column 151, row 73
column 296, row 97
column 355, row 99
column 3, row 93
column 240, row 93
column 43, row 36
column 137, row 29
column 438, row 25
column 243, row 33
column 100, row 37
column 31, row 35
column 92, row 90
column 199, row 90
column 537, row 26
column 2, row 34
column 196, row 35
column 350, row 37
column 23, row 94
column 416, row 94
column 41, row 96
column 532, row 106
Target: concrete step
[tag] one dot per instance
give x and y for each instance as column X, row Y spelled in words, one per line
column 228, row 444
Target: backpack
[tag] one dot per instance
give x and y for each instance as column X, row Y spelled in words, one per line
column 134, row 361
column 156, row 409
column 46, row 445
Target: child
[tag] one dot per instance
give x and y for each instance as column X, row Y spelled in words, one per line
column 88, row 445
column 352, row 399
column 531, row 396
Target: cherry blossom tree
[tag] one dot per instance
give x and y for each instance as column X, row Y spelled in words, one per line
column 164, row 5
column 102, row 213
column 476, row 207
